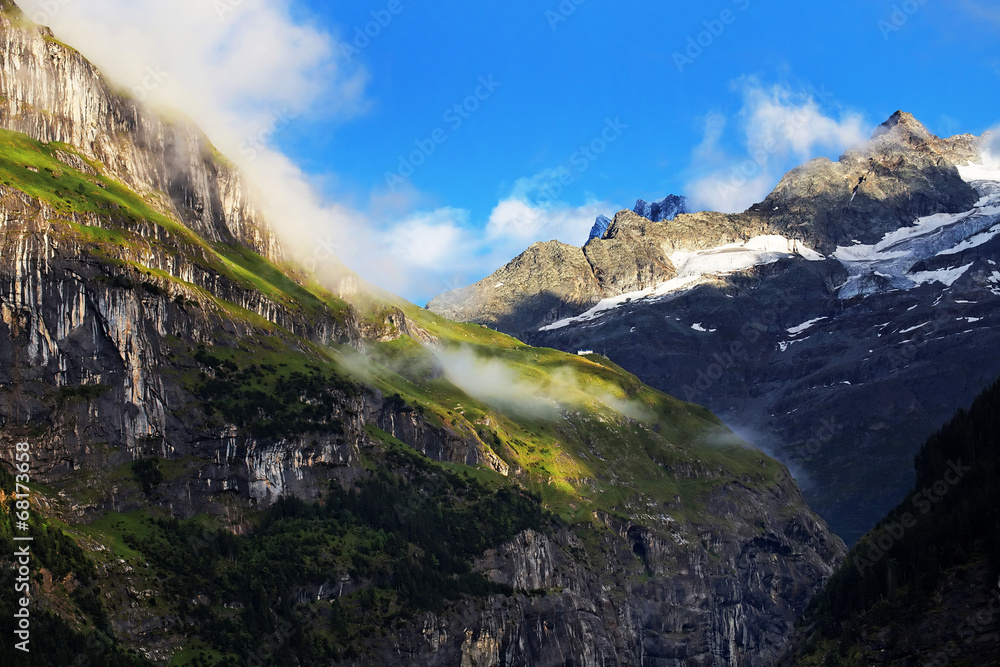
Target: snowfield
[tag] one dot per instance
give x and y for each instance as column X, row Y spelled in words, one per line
column 694, row 268
column 886, row 265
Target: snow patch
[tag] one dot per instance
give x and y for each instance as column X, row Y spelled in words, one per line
column 886, row 265
column 694, row 268
column 919, row 326
column 974, row 242
column 785, row 344
column 739, row 256
column 795, row 331
column 988, row 171
column 611, row 303
column 946, row 277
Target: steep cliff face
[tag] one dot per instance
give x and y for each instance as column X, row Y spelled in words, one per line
column 173, row 384
column 659, row 593
column 54, row 94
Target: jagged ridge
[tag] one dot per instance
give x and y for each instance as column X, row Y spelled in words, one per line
column 903, row 174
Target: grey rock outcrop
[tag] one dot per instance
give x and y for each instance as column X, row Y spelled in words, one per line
column 664, row 210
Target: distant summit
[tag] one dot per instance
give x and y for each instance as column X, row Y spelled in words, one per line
column 666, row 209
column 600, row 227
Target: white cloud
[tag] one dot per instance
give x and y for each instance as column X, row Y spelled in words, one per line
column 708, row 151
column 518, row 222
column 429, row 240
column 541, row 395
column 728, row 192
column 441, row 250
column 991, row 146
column 780, row 128
column 232, row 66
column 982, row 11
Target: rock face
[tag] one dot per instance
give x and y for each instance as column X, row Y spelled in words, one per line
column 552, row 280
column 664, row 210
column 140, row 317
column 600, row 227
column 643, row 614
column 556, row 279
column 858, row 353
column 170, row 160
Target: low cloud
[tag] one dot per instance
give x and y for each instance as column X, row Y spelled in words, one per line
column 244, row 70
column 502, row 386
column 443, row 249
column 991, row 146
column 776, row 128
column 516, row 221
column 231, row 65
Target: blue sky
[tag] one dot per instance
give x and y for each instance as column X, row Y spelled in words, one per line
column 565, row 110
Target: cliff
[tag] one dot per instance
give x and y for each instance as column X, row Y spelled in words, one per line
column 54, row 94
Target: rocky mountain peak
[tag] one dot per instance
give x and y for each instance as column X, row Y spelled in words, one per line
column 600, row 226
column 903, row 128
column 666, row 209
column 663, row 210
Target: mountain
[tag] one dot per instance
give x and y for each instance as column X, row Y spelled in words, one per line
column 923, row 587
column 840, row 320
column 230, row 462
column 664, row 210
column 600, row 227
